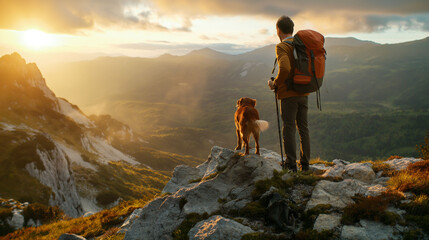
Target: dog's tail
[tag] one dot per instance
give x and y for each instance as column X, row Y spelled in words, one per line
column 262, row 124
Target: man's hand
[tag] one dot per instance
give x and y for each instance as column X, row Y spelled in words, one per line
column 271, row 84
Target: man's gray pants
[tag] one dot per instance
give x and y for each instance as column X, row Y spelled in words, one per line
column 294, row 111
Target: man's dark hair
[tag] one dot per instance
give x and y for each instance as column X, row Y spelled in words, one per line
column 285, row 24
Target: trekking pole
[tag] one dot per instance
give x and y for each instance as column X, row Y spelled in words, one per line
column 278, row 119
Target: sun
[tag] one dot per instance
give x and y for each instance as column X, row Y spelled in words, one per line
column 36, row 39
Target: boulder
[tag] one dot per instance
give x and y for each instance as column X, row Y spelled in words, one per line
column 69, row 236
column 375, row 190
column 359, row 171
column 345, row 170
column 157, row 220
column 318, row 169
column 218, row 228
column 335, row 171
column 369, row 230
column 17, row 220
column 402, row 163
column 327, row 222
column 338, row 194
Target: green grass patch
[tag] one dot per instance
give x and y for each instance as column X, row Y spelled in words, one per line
column 413, row 234
column 253, row 210
column 264, row 185
column 181, row 232
column 310, row 234
column 310, row 216
column 105, row 198
column 418, row 212
column 46, row 214
column 5, row 228
column 89, row 227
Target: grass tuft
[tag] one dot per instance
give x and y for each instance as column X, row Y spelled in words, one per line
column 320, row 161
column 424, row 148
column 415, row 178
column 394, row 157
column 372, row 208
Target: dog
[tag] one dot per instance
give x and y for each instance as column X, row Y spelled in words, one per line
column 247, row 123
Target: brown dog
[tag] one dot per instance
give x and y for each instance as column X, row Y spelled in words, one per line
column 247, row 122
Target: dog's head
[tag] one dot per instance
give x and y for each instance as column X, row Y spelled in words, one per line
column 246, row 102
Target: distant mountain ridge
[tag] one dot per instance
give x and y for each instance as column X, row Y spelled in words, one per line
column 198, row 91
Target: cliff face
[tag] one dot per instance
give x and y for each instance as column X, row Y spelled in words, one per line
column 234, row 195
column 52, row 153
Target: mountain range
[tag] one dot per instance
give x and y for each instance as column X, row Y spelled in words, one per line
column 184, row 104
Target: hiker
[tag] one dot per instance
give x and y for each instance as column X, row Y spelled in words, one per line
column 294, row 105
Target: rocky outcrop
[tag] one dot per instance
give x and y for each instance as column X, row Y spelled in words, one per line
column 56, row 143
column 225, row 180
column 58, row 176
column 218, row 228
column 224, row 186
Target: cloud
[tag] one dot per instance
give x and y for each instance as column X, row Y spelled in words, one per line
column 71, row 16
column 290, row 7
column 332, row 16
column 207, row 38
column 263, row 31
column 339, row 16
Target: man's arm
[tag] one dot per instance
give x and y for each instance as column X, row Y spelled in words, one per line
column 284, row 67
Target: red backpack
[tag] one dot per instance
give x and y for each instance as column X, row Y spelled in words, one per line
column 310, row 56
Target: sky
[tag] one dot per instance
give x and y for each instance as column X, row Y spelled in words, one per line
column 52, row 31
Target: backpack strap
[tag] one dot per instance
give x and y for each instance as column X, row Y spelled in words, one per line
column 288, row 40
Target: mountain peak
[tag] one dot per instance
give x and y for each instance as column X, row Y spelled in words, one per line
column 13, row 58
column 347, row 41
column 206, row 52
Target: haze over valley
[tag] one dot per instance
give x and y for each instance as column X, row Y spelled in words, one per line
column 184, row 104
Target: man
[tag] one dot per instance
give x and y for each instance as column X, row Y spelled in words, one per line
column 294, row 105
